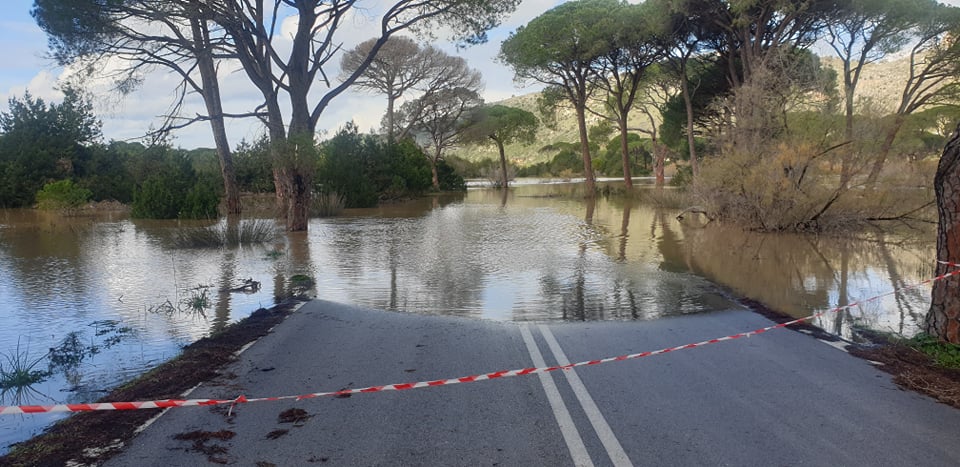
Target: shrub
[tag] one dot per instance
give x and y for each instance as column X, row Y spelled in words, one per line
column 172, row 189
column 364, row 169
column 449, row 179
column 62, row 195
column 157, row 199
column 201, row 201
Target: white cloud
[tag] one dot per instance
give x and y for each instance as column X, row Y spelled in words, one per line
column 129, row 117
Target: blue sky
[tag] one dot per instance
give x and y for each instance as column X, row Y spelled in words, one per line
column 24, row 67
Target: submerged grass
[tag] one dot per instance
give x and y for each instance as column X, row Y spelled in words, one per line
column 327, row 204
column 20, row 371
column 218, row 236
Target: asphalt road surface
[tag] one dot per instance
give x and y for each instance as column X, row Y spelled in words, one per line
column 781, row 398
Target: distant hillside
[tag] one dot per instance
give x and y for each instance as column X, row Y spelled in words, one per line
column 880, row 82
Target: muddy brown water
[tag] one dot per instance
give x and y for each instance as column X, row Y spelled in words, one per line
column 96, row 300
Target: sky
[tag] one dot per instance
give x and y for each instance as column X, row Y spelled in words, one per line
column 24, row 67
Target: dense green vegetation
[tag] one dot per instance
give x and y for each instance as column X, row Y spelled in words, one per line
column 45, row 160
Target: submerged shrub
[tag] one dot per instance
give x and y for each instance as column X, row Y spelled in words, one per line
column 201, row 201
column 63, row 194
column 156, row 198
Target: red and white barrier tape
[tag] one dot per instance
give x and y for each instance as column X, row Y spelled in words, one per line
column 161, row 404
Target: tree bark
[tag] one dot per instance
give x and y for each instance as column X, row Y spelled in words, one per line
column 625, row 153
column 658, row 161
column 211, row 98
column 503, row 164
column 943, row 319
column 590, row 182
column 688, row 104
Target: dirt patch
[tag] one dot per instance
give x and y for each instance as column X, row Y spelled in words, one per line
column 213, row 452
column 914, row 370
column 201, row 361
column 295, row 416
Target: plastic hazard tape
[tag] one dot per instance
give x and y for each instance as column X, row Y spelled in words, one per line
column 169, row 403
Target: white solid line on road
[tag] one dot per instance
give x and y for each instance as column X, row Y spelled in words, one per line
column 570, row 434
column 617, row 455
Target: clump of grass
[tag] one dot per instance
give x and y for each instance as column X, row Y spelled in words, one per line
column 327, row 204
column 669, row 198
column 198, row 301
column 219, row 236
column 943, row 354
column 19, row 371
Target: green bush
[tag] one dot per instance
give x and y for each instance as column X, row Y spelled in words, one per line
column 157, row 198
column 449, row 179
column 683, row 177
column 62, row 195
column 171, row 187
column 364, row 169
column 201, row 201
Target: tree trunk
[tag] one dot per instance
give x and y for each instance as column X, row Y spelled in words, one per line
column 503, row 164
column 625, row 152
column 591, row 182
column 691, row 141
column 390, row 104
column 433, row 169
column 943, row 319
column 658, row 161
column 211, row 97
column 885, row 150
column 296, row 171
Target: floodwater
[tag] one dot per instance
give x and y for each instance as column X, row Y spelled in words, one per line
column 94, row 301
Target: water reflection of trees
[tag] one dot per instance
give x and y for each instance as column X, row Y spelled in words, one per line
column 800, row 274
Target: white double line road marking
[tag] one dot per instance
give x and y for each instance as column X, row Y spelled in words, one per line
column 567, row 428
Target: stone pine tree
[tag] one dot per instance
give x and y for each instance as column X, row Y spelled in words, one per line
column 562, row 49
column 943, row 319
column 502, row 125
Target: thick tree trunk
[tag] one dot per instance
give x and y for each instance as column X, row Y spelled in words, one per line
column 658, row 161
column 591, row 182
column 943, row 319
column 211, row 98
column 625, row 153
column 504, row 179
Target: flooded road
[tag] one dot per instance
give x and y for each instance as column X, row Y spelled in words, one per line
column 96, row 300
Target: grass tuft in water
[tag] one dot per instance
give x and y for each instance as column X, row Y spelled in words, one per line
column 219, row 236
column 198, row 301
column 19, row 371
column 327, row 204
